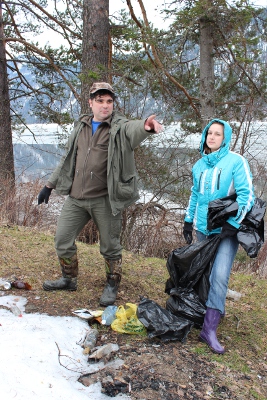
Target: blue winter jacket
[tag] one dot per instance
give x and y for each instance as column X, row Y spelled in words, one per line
column 217, row 175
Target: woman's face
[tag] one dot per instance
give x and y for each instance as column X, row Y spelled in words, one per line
column 215, row 136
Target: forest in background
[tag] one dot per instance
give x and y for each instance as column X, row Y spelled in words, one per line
column 210, row 60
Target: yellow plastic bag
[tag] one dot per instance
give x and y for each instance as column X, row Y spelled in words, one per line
column 127, row 322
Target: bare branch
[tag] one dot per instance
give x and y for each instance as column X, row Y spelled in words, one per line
column 43, row 54
column 156, row 62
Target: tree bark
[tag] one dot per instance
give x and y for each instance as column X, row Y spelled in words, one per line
column 95, row 48
column 7, row 172
column 207, row 80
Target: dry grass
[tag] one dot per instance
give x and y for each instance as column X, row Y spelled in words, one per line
column 30, row 256
column 151, row 229
column 148, row 229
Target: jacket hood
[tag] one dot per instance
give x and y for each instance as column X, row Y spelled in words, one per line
column 225, row 146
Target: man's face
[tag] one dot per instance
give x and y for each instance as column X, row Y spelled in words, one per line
column 102, row 107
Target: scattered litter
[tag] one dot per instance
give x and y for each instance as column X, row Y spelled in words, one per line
column 161, row 323
column 96, row 371
column 233, row 295
column 16, row 311
column 109, row 315
column 5, row 285
column 127, row 321
column 104, row 351
column 90, row 341
column 35, row 367
column 21, row 285
column 87, row 314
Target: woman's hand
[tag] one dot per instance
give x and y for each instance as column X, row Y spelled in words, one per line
column 188, row 232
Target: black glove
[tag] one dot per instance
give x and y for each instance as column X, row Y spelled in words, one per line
column 44, row 195
column 228, row 230
column 188, row 232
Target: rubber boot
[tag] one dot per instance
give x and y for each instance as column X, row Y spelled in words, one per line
column 113, row 272
column 69, row 269
column 208, row 332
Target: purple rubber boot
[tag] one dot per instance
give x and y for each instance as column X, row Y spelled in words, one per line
column 208, row 333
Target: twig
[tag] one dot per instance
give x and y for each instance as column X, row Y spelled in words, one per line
column 62, row 355
column 238, row 321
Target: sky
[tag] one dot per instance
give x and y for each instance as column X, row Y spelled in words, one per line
column 152, row 9
column 152, row 6
column 29, row 363
column 114, row 6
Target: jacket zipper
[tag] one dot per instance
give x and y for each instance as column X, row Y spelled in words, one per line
column 92, row 175
column 85, row 161
column 219, row 177
column 199, row 182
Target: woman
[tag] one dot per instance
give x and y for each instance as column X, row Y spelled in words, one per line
column 219, row 173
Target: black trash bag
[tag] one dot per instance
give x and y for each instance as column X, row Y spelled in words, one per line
column 250, row 240
column 190, row 266
column 203, row 255
column 185, row 303
column 220, row 210
column 255, row 217
column 251, row 232
column 161, row 323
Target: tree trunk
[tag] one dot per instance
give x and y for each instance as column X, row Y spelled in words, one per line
column 207, row 81
column 7, row 173
column 95, row 51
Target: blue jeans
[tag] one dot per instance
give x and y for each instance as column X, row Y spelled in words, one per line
column 220, row 273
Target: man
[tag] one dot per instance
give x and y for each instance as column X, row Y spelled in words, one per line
column 98, row 173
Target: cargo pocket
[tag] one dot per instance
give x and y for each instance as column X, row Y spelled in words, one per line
column 115, row 226
column 126, row 189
